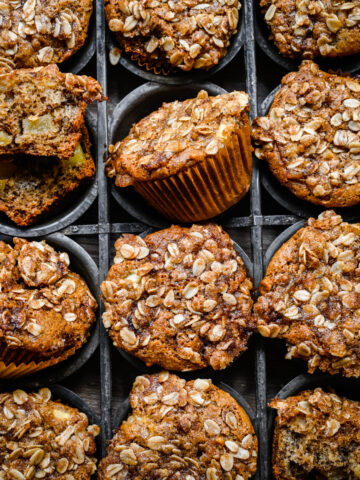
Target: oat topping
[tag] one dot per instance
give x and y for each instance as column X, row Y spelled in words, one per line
column 42, row 110
column 310, row 295
column 41, row 438
column 176, row 136
column 44, row 307
column 39, row 32
column 310, row 28
column 316, row 434
column 183, row 34
column 179, row 298
column 311, row 136
column 184, row 430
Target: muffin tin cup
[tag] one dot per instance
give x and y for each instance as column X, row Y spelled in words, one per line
column 135, row 106
column 75, row 205
column 283, row 195
column 349, row 63
column 180, row 78
column 81, row 263
column 141, row 366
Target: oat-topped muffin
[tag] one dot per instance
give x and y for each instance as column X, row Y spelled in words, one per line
column 46, row 311
column 310, row 295
column 179, row 298
column 34, row 187
column 309, row 28
column 42, row 110
column 317, row 435
column 174, row 35
column 311, row 136
column 39, row 32
column 178, row 429
column 191, row 160
column 42, row 438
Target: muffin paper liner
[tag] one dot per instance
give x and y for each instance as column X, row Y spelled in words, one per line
column 208, row 188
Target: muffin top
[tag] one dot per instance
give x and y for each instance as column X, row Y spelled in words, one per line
column 310, row 136
column 309, row 29
column 179, row 298
column 174, row 35
column 176, row 136
column 45, row 308
column 39, row 32
column 317, row 432
column 187, row 429
column 310, row 295
column 41, row 438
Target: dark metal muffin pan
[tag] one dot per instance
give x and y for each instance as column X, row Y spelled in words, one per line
column 83, row 264
column 181, row 78
column 349, row 63
column 284, row 196
column 69, row 211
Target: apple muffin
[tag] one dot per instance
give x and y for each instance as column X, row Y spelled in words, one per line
column 42, row 110
column 316, row 435
column 311, row 136
column 46, row 310
column 309, row 29
column 39, row 32
column 179, row 298
column 43, row 438
column 310, row 295
column 180, row 429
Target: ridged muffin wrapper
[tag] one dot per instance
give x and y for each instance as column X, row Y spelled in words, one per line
column 207, row 188
column 19, row 364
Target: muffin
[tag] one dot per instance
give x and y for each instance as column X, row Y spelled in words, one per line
column 310, row 295
column 42, row 110
column 46, row 311
column 179, row 298
column 42, row 438
column 317, row 435
column 182, row 35
column 190, row 160
column 31, row 188
column 310, row 137
column 309, row 29
column 38, row 32
column 180, row 429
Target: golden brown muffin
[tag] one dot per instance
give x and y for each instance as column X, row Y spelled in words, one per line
column 38, row 32
column 182, row 35
column 309, row 29
column 179, row 298
column 310, row 295
column 42, row 438
column 178, row 429
column 46, row 311
column 317, row 435
column 34, row 187
column 310, row 137
column 42, row 110
column 190, row 160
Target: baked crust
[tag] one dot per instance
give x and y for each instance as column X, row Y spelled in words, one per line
column 42, row 110
column 42, row 438
column 181, row 35
column 38, row 32
column 176, row 136
column 310, row 295
column 31, row 188
column 179, row 298
column 45, row 309
column 310, row 28
column 317, row 435
column 310, row 137
column 180, row 429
